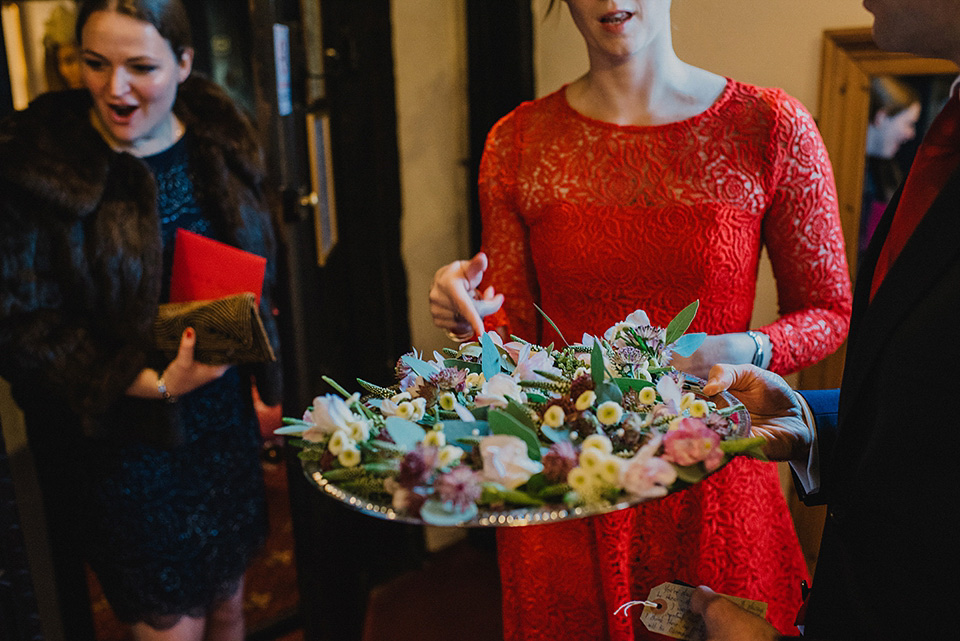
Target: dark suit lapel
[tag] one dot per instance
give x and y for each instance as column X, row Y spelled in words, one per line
column 934, row 245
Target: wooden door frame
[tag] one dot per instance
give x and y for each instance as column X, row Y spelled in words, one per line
column 850, row 59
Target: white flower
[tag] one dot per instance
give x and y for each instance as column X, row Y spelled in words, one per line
column 586, row 400
column 349, row 456
column 339, row 442
column 448, row 455
column 530, row 362
column 359, row 431
column 331, row 413
column 634, row 321
column 699, row 408
column 475, row 380
column 599, row 442
column 494, row 392
column 581, row 481
column 609, row 413
column 505, row 460
column 591, row 458
column 435, row 438
column 447, row 401
column 609, row 469
column 554, row 416
column 412, row 410
column 648, row 395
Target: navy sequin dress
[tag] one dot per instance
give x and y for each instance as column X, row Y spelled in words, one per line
column 172, row 530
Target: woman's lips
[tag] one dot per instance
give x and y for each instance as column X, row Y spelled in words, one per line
column 121, row 113
column 616, row 17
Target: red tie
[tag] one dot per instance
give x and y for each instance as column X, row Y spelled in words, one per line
column 937, row 157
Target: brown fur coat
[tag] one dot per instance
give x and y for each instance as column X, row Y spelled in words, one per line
column 80, row 254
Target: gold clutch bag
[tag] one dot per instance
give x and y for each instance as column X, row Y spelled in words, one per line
column 229, row 330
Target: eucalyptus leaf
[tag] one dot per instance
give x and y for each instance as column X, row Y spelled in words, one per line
column 434, row 512
column 555, row 436
column 404, row 433
column 678, row 326
column 689, row 343
column 608, row 391
column 296, row 428
column 502, row 423
column 491, row 357
column 456, row 430
column 419, row 367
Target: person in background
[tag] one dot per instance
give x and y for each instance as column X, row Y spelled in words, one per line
column 894, row 111
column 61, row 55
column 876, row 451
column 647, row 184
column 149, row 467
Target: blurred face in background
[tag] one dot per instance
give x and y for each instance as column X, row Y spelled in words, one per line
column 68, row 64
column 133, row 75
column 892, row 131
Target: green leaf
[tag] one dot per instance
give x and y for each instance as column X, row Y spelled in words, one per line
column 596, row 363
column 404, row 433
column 516, row 497
column 689, row 343
column 553, row 325
column 335, row 385
column 535, row 484
column 474, row 368
column 553, row 493
column 521, row 413
column 502, row 423
column 678, row 326
column 295, row 421
column 491, row 357
column 690, row 474
column 752, row 447
column 340, row 474
column 632, row 383
column 419, row 367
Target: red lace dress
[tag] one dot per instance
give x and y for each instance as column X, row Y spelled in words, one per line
column 592, row 221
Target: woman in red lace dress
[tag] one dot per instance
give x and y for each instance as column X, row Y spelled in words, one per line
column 647, row 184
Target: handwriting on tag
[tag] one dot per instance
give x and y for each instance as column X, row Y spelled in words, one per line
column 667, row 612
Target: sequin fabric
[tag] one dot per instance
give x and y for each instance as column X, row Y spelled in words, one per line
column 172, row 531
column 591, row 221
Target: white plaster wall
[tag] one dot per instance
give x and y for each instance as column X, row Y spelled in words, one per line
column 430, row 64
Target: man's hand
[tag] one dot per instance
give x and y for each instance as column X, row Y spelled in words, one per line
column 455, row 303
column 776, row 411
column 727, row 621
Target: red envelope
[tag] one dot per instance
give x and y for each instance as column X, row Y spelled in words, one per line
column 204, row 269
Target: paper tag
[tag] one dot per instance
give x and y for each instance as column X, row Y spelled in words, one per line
column 667, row 611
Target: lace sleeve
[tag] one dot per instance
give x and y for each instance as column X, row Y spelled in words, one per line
column 804, row 239
column 506, row 238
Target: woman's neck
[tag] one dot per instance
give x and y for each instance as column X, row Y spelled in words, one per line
column 645, row 90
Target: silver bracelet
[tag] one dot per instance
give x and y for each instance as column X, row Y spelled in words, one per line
column 164, row 394
column 758, row 354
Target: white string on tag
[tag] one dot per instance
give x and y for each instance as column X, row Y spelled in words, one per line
column 626, row 606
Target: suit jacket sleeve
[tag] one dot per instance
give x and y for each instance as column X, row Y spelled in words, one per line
column 824, row 405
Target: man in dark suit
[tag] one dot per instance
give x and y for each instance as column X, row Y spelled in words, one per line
column 882, row 451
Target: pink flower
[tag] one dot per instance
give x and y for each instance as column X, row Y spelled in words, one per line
column 417, row 466
column 646, row 475
column 690, row 441
column 558, row 461
column 461, row 486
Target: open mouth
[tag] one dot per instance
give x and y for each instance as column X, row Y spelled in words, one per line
column 123, row 111
column 616, row 17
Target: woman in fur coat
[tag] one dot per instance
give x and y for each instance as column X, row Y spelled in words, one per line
column 149, row 467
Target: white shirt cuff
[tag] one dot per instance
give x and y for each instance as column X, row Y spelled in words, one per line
column 808, row 472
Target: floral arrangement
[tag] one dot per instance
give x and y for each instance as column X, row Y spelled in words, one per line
column 502, row 426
